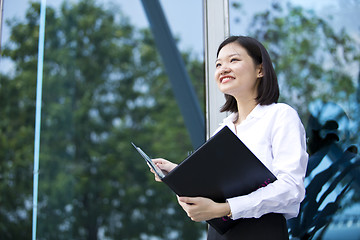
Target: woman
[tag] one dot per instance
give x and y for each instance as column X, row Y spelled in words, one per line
column 271, row 130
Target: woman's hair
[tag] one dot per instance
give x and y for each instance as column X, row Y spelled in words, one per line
column 268, row 88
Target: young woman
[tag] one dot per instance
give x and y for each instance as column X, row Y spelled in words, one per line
column 271, row 130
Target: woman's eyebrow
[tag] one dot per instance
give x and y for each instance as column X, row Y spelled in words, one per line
column 229, row 56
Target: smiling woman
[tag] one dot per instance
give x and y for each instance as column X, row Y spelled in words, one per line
column 252, row 92
column 237, row 74
column 252, row 64
column 272, row 131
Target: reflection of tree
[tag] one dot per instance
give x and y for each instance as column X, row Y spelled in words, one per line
column 314, row 65
column 311, row 59
column 104, row 86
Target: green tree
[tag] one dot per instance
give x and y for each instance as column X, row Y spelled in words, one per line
column 313, row 62
column 311, row 58
column 104, row 86
column 17, row 111
column 16, row 152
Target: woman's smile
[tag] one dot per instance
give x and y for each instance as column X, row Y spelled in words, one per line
column 236, row 73
column 226, row 79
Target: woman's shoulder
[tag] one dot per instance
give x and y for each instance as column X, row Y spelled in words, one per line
column 282, row 107
column 281, row 111
column 284, row 113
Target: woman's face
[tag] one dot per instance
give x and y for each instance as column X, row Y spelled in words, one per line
column 236, row 73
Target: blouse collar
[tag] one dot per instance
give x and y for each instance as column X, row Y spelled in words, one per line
column 257, row 112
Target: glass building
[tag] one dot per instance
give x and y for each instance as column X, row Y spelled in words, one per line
column 82, row 79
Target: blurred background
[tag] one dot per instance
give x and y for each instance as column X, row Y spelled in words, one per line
column 105, row 84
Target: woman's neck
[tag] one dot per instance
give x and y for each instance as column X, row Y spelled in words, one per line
column 244, row 109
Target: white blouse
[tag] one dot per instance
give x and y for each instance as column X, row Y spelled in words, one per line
column 275, row 134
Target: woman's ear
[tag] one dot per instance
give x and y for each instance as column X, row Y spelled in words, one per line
column 259, row 71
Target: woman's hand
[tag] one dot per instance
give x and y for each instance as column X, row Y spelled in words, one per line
column 164, row 165
column 203, row 209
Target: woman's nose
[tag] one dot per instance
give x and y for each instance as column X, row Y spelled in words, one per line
column 224, row 69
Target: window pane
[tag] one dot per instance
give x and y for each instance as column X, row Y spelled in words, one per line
column 315, row 50
column 104, row 86
column 17, row 113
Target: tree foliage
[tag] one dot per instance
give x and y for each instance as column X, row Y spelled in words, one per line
column 312, row 58
column 104, row 86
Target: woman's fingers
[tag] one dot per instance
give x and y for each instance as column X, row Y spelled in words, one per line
column 165, row 165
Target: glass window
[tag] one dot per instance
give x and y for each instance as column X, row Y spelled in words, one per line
column 17, row 113
column 105, row 85
column 315, row 50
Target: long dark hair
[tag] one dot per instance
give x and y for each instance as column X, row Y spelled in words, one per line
column 268, row 88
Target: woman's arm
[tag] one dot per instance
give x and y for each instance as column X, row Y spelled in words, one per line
column 202, row 209
column 288, row 143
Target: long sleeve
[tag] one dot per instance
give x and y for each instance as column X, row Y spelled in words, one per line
column 276, row 136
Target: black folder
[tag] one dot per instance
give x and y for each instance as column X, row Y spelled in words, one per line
column 223, row 167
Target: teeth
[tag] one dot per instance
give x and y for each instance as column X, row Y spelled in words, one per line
column 226, row 78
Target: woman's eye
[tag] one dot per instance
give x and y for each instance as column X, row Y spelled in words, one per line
column 217, row 65
column 234, row 60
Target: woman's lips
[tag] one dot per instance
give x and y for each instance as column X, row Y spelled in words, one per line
column 226, row 79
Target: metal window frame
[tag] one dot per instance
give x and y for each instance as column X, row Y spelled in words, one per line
column 216, row 29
